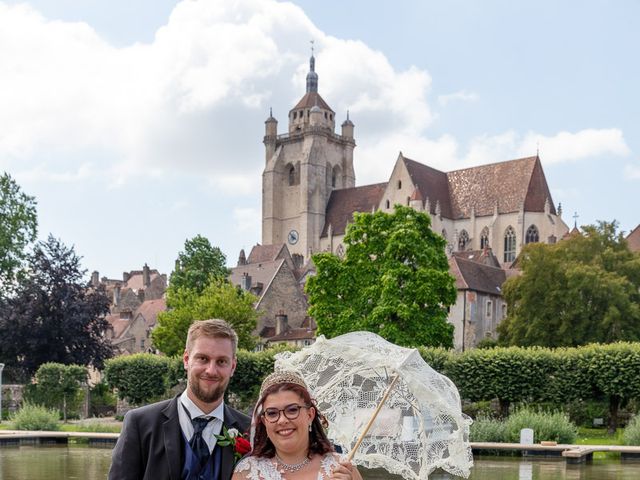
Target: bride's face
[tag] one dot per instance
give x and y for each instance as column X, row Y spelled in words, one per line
column 287, row 418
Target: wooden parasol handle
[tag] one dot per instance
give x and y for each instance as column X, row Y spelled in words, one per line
column 373, row 417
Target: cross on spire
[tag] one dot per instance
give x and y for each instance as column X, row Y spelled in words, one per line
column 311, row 42
column 575, row 219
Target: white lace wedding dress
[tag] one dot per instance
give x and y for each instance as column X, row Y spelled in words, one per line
column 256, row 468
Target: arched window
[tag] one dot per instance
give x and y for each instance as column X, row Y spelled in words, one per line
column 532, row 234
column 463, row 241
column 509, row 244
column 292, row 175
column 399, row 184
column 387, row 204
column 484, row 238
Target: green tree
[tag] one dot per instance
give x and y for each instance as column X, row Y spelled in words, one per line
column 18, row 228
column 578, row 291
column 60, row 384
column 197, row 264
column 53, row 317
column 139, row 378
column 393, row 280
column 219, row 299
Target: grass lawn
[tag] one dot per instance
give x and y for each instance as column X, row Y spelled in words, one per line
column 599, row 436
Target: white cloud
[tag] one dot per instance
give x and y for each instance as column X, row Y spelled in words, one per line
column 461, row 96
column 632, row 171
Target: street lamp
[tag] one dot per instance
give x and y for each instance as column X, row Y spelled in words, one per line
column 1, row 368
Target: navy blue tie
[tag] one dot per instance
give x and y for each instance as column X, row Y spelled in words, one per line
column 197, row 443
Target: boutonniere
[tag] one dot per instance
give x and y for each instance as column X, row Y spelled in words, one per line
column 240, row 444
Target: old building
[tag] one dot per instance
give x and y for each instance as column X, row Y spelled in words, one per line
column 137, row 300
column 271, row 275
column 633, row 239
column 309, row 197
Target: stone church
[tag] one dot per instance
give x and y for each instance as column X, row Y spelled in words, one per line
column 489, row 211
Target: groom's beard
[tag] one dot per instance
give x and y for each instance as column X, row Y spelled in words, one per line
column 208, row 395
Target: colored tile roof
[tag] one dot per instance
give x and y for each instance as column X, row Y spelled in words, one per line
column 150, row 310
column 263, row 273
column 265, row 253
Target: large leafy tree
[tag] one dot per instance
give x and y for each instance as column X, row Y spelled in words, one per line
column 220, row 299
column 393, row 280
column 53, row 317
column 18, row 229
column 197, row 264
column 581, row 290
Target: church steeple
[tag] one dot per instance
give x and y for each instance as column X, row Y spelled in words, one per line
column 312, row 76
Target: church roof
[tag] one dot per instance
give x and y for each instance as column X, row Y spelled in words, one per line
column 312, row 99
column 633, row 239
column 485, row 256
column 509, row 185
column 344, row 202
column 476, row 276
column 432, row 184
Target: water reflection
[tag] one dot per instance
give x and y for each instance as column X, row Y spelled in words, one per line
column 55, row 463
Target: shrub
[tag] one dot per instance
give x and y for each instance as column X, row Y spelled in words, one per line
column 139, row 378
column 631, row 434
column 35, row 417
column 485, row 429
column 101, row 400
column 554, row 426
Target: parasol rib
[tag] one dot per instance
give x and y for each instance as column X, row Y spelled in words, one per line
column 373, row 417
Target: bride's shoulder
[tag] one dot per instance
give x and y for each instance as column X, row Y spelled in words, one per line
column 256, row 467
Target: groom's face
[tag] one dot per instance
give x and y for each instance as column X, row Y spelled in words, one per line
column 210, row 364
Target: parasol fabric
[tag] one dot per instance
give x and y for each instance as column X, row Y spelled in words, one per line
column 420, row 426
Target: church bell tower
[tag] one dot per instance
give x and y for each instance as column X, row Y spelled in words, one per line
column 302, row 168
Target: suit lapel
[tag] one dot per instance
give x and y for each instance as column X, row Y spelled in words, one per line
column 171, row 434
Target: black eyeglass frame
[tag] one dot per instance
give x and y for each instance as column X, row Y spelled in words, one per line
column 282, row 411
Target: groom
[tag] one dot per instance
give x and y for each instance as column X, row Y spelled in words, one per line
column 175, row 439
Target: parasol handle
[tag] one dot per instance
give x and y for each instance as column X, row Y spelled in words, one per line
column 373, row 417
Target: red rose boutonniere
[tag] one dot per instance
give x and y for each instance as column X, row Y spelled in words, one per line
column 241, row 445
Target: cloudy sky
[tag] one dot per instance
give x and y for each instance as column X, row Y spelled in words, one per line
column 137, row 124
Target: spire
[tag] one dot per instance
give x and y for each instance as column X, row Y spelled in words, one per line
column 312, row 76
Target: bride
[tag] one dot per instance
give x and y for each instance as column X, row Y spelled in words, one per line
column 289, row 441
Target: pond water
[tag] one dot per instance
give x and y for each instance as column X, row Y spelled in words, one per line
column 57, row 463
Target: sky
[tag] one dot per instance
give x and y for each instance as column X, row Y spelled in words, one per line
column 138, row 124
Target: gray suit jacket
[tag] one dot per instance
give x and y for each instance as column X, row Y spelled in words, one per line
column 151, row 446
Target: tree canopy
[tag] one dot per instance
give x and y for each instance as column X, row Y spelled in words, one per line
column 18, row 229
column 219, row 299
column 393, row 280
column 197, row 264
column 53, row 317
column 581, row 290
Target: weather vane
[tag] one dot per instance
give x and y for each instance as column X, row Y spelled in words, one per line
column 311, row 42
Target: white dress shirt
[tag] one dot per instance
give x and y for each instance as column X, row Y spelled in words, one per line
column 214, row 427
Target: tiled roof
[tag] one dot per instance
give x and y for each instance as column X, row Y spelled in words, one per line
column 118, row 324
column 135, row 280
column 475, row 276
column 265, row 253
column 150, row 310
column 293, row 334
column 259, row 273
column 344, row 202
column 486, row 257
column 633, row 239
column 508, row 185
column 433, row 185
column 311, row 99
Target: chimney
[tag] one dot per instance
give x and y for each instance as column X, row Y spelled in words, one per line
column 245, row 281
column 141, row 295
column 281, row 322
column 116, row 295
column 95, row 278
column 146, row 275
column 125, row 277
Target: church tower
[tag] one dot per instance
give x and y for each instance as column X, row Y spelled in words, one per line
column 302, row 168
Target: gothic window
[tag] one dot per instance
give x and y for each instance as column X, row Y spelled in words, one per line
column 484, row 238
column 340, row 251
column 387, row 204
column 463, row 241
column 509, row 244
column 532, row 234
column 399, row 184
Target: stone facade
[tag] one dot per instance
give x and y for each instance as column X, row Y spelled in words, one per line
column 309, row 198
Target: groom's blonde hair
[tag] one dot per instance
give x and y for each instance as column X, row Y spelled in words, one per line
column 213, row 328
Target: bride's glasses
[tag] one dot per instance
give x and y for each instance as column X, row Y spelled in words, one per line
column 291, row 412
